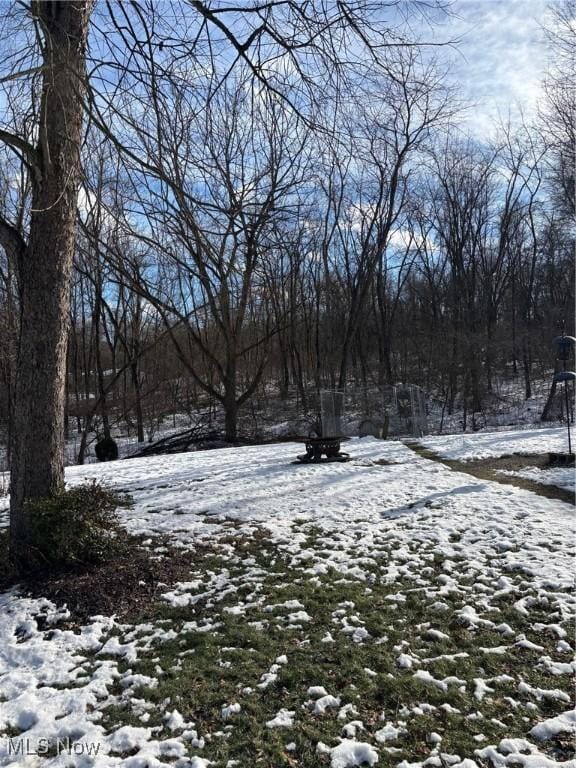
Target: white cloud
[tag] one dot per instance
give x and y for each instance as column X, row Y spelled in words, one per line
column 501, row 57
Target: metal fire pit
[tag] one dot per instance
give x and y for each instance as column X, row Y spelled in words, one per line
column 327, row 447
column 319, row 447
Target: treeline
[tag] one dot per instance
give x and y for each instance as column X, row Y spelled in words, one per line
column 229, row 246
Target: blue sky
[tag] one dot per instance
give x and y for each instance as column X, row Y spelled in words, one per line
column 501, row 56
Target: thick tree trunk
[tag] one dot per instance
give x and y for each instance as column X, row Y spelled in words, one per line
column 38, row 440
column 548, row 412
column 230, row 415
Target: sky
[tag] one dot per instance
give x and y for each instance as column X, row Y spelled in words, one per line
column 500, row 59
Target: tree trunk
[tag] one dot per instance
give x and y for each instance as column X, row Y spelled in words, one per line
column 38, row 440
column 230, row 415
column 548, row 412
column 137, row 400
column 96, row 315
column 526, row 369
column 296, row 364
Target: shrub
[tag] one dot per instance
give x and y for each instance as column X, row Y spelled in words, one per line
column 76, row 525
column 106, row 449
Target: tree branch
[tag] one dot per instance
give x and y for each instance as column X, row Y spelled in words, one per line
column 12, row 241
column 25, row 150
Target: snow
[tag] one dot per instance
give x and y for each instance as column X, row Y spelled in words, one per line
column 231, row 709
column 468, row 616
column 351, row 729
column 405, row 661
column 199, row 762
column 562, row 477
column 388, row 733
column 485, row 445
column 325, row 702
column 127, row 738
column 283, row 719
column 299, row 616
column 564, row 723
column 317, row 691
column 351, row 753
column 372, row 521
column 174, row 721
column 443, row 685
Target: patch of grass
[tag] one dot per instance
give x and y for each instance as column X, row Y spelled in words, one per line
column 227, row 662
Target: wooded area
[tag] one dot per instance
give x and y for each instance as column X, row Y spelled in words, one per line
column 262, row 201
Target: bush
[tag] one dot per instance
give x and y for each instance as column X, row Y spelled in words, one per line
column 76, row 525
column 106, row 449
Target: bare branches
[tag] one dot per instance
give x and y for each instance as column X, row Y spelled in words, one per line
column 26, row 152
column 558, row 110
column 12, row 241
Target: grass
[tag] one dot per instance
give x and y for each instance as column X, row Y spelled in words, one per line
column 203, row 672
column 198, row 673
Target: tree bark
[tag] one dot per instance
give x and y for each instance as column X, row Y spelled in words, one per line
column 137, row 399
column 38, row 439
column 230, row 412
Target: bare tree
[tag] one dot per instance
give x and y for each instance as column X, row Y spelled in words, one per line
column 45, row 259
column 368, row 191
column 558, row 109
column 289, row 48
column 226, row 179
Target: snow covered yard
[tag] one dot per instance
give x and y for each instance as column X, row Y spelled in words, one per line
column 532, row 445
column 387, row 611
column 562, row 477
column 483, row 445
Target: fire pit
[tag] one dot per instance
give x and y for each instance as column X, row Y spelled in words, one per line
column 327, row 447
column 317, row 447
